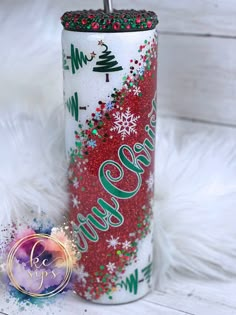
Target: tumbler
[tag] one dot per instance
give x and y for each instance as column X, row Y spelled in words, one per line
column 110, row 82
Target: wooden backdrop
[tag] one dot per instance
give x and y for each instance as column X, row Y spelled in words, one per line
column 197, row 52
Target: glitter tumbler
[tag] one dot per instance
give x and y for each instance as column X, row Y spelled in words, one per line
column 110, row 82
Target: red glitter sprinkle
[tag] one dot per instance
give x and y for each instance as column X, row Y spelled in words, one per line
column 67, row 25
column 84, row 21
column 95, row 26
column 138, row 20
column 149, row 24
column 116, row 26
column 128, row 27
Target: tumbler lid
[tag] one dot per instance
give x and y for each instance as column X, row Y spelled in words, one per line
column 116, row 21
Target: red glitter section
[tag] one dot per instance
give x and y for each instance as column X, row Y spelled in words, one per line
column 136, row 211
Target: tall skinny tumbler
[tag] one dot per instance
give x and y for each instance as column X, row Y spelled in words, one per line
column 110, row 82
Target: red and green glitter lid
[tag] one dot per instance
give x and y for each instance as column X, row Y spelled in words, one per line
column 117, row 21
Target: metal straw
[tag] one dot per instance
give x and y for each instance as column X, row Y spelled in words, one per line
column 108, row 7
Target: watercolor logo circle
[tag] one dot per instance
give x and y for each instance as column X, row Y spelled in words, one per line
column 39, row 265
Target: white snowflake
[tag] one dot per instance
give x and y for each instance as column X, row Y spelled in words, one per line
column 92, row 143
column 109, row 106
column 111, row 267
column 70, row 173
column 98, row 116
column 75, row 183
column 136, row 90
column 150, row 182
column 113, row 242
column 75, row 201
column 141, row 70
column 126, row 245
column 81, row 274
column 125, row 123
column 87, row 295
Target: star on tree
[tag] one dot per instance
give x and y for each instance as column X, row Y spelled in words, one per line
column 125, row 123
column 100, row 42
column 93, row 54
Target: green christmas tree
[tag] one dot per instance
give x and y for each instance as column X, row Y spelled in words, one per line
column 107, row 62
column 64, row 61
column 78, row 58
column 72, row 105
column 130, row 283
column 147, row 272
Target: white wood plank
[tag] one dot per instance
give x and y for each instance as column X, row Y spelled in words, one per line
column 200, row 297
column 197, row 78
column 71, row 305
column 187, row 16
column 213, row 292
column 192, row 304
column 183, row 127
column 198, row 16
